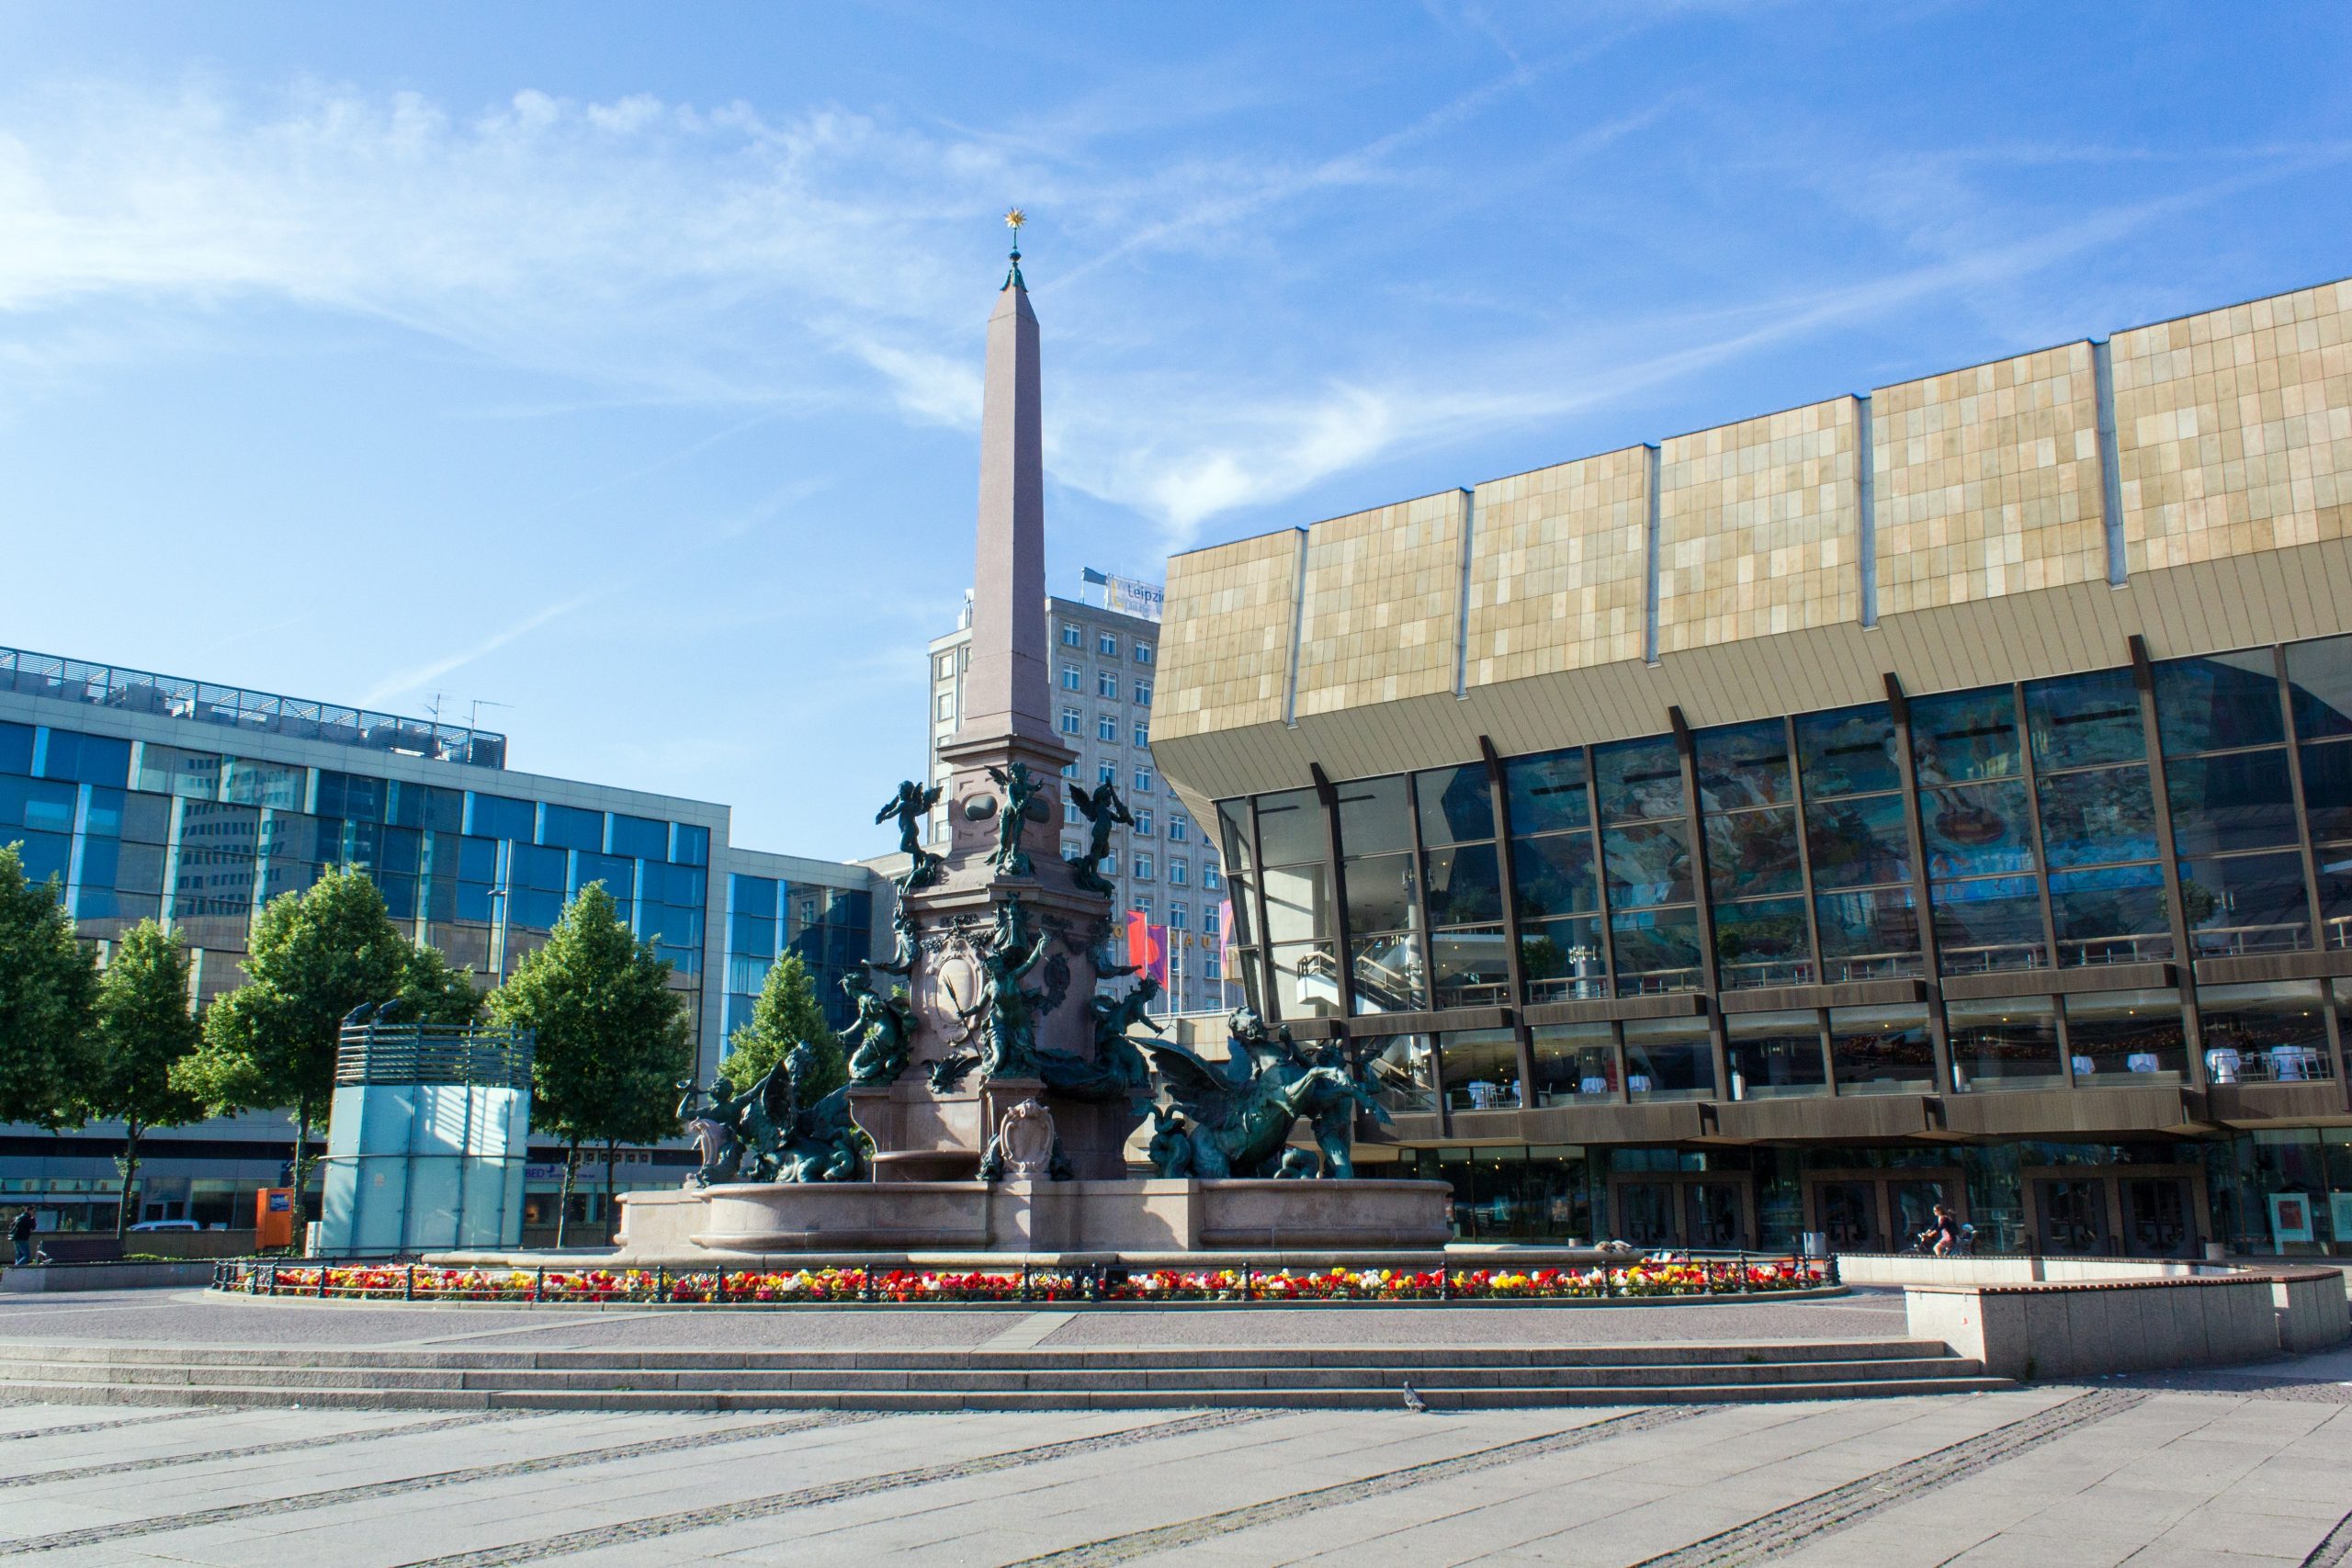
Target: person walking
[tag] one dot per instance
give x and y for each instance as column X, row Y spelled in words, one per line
column 21, row 1232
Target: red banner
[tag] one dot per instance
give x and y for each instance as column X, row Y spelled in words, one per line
column 1147, row 945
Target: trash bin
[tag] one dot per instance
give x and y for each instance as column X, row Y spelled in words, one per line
column 1816, row 1244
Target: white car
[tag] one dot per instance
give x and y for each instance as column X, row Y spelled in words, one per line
column 167, row 1226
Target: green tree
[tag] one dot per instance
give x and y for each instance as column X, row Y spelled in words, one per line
column 313, row 956
column 48, row 981
column 613, row 1038
column 143, row 1028
column 787, row 1014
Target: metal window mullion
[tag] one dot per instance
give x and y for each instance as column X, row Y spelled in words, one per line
column 2033, row 809
column 1268, row 992
column 1914, row 834
column 2302, row 813
column 1702, row 899
column 1328, row 798
column 1804, row 847
column 2143, row 683
column 1498, row 799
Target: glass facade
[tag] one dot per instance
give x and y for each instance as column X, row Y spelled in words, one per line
column 768, row 916
column 2190, row 809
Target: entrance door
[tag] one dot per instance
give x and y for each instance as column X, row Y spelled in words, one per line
column 2074, row 1217
column 1711, row 1214
column 1850, row 1214
column 1646, row 1212
column 2156, row 1217
column 1913, row 1205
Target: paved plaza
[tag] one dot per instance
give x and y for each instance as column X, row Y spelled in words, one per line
column 2251, row 1467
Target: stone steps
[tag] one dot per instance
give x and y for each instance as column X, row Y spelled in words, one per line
column 1361, row 1377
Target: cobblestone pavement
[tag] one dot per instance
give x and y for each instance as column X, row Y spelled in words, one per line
column 200, row 1317
column 2053, row 1477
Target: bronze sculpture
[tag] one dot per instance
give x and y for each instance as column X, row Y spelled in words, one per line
column 1011, row 1010
column 769, row 1136
column 1020, row 789
column 1103, row 810
column 911, row 806
column 885, row 1033
column 1229, row 1123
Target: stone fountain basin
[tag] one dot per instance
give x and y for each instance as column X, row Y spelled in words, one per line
column 723, row 1223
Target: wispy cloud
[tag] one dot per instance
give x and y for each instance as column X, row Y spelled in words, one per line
column 410, row 682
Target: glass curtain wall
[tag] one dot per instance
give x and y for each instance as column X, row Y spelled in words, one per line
column 2230, row 778
column 1556, row 883
column 1754, row 864
column 1646, row 862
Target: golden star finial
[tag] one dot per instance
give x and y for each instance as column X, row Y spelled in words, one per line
column 1015, row 218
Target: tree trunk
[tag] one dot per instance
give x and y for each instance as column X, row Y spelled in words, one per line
column 301, row 1170
column 608, row 1191
column 129, row 1165
column 563, row 1205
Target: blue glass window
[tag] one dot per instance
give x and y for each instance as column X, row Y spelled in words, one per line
column 501, row 816
column 1752, row 853
column 1880, row 924
column 16, row 747
column 1976, row 830
column 104, row 814
column 2245, row 903
column 349, row 795
column 1742, row 765
column 2116, row 915
column 2327, row 790
column 1464, row 883
column 2080, row 720
column 1848, row 751
column 1763, row 943
column 1657, row 949
column 753, row 895
column 680, row 885
column 751, row 935
column 541, row 868
column 640, row 838
column 2098, row 816
column 421, row 806
column 86, row 759
column 1554, row 875
column 401, row 851
column 536, row 908
column 569, row 828
column 690, row 845
column 478, row 859
column 1965, row 735
column 98, row 860
column 1561, row 959
column 619, row 875
column 1455, row 807
column 2213, row 704
column 1991, row 923
column 42, row 804
column 1647, row 863
column 1638, row 779
column 2319, row 683
column 147, row 818
column 1858, row 840
column 1547, row 791
column 44, row 854
column 2238, row 801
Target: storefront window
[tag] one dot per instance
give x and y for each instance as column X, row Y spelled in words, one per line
column 2274, row 1032
column 1669, row 1058
column 2004, row 1043
column 1775, row 1056
column 2126, row 1037
column 2098, row 816
column 1881, row 1049
column 1575, row 1064
column 1480, row 1068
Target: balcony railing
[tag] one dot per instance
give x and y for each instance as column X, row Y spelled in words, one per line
column 248, row 712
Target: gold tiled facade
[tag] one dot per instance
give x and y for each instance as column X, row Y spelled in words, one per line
column 2233, row 429
column 1987, row 480
column 1759, row 524
column 1224, row 644
column 1381, row 605
column 1557, row 568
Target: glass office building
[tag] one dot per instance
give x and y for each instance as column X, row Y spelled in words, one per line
column 1942, row 795
column 153, row 797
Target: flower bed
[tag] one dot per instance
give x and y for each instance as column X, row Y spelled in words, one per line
column 916, row 1287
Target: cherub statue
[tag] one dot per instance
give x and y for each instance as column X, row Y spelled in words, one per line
column 1103, row 810
column 1011, row 1050
column 1105, row 966
column 911, row 806
column 1021, row 787
column 885, row 1033
column 905, row 948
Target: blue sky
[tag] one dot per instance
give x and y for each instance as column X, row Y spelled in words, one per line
column 621, row 364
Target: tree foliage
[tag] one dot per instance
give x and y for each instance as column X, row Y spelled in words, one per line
column 143, row 1028
column 614, row 1038
column 788, row 1013
column 313, row 956
column 48, row 983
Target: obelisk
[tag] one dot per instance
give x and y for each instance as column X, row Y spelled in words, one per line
column 1002, row 889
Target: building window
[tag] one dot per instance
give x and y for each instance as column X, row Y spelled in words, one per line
column 947, row 705
column 1143, row 693
column 1106, row 727
column 1180, row 915
column 1143, row 653
column 1073, row 636
column 1072, row 678
column 1143, row 906
column 1209, row 919
column 1211, row 878
column 1110, row 863
column 1071, row 848
column 1143, row 824
column 1143, row 781
column 1105, row 773
column 1211, row 969
column 1108, row 646
column 1071, row 720
column 1106, row 684
column 1069, row 769
column 1178, row 829
column 1143, row 732
column 1178, row 873
column 1143, row 867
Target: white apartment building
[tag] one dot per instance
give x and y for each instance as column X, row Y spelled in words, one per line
column 1104, row 663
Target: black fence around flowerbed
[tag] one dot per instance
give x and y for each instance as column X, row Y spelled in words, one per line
column 1741, row 1275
